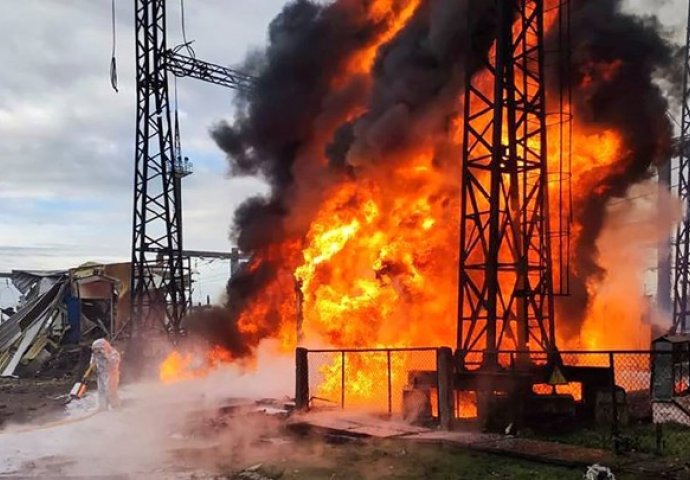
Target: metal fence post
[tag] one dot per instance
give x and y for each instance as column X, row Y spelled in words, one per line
column 342, row 380
column 302, row 379
column 390, row 384
column 614, row 404
column 444, row 371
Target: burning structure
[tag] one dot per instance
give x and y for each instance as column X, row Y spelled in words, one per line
column 359, row 120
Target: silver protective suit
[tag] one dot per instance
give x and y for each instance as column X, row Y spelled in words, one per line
column 107, row 362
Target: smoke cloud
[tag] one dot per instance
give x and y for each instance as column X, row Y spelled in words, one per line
column 620, row 309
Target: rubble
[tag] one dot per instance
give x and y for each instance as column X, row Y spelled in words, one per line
column 58, row 312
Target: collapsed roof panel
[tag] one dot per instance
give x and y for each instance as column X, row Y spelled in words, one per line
column 29, row 321
column 24, row 280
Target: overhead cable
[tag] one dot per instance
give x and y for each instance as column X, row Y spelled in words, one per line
column 113, row 60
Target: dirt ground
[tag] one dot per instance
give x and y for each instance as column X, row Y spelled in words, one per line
column 30, row 400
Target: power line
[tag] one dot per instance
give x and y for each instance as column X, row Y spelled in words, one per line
column 113, row 60
column 187, row 44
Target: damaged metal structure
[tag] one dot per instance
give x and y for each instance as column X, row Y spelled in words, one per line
column 59, row 310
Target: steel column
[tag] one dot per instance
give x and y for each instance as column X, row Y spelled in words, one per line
column 681, row 283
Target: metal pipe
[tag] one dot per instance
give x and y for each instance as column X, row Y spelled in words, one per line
column 390, row 386
column 342, row 380
column 374, row 350
column 614, row 405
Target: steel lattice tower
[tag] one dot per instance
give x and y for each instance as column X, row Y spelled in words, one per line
column 160, row 272
column 506, row 285
column 681, row 283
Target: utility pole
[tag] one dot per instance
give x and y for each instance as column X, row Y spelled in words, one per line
column 681, row 281
column 159, row 279
column 506, row 285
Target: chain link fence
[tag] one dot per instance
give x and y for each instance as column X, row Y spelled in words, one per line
column 647, row 419
column 372, row 380
column 631, row 413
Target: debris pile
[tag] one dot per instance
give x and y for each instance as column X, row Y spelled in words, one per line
column 58, row 312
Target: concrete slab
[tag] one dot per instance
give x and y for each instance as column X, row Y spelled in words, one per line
column 356, row 424
column 465, row 438
column 360, row 425
column 381, row 431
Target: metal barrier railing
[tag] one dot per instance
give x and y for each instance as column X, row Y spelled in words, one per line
column 625, row 400
column 372, row 379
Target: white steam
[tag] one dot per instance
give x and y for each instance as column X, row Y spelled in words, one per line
column 621, row 314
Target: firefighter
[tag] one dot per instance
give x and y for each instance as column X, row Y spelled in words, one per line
column 107, row 363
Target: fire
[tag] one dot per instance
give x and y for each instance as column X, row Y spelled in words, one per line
column 466, row 403
column 367, row 275
column 360, row 275
column 574, row 389
column 378, row 264
column 392, row 15
column 178, row 366
column 381, row 253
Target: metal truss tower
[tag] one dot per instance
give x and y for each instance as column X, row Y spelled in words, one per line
column 506, row 284
column 681, row 282
column 160, row 273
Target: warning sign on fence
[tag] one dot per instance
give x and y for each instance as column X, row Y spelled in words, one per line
column 557, row 377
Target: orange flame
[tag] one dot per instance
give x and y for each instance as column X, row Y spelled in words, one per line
column 573, row 388
column 178, row 367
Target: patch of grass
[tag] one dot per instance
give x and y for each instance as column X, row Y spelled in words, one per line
column 640, row 437
column 395, row 460
column 584, row 437
column 676, row 441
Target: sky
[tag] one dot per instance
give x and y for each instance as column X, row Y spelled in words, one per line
column 67, row 139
